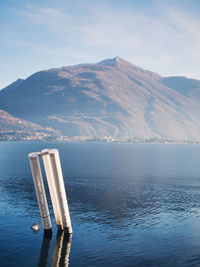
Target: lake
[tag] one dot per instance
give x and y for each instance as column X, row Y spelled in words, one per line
column 130, row 205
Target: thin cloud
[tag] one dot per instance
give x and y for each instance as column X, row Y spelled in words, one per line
column 161, row 37
column 58, row 21
column 112, row 28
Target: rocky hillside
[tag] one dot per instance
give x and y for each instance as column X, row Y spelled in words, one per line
column 12, row 128
column 112, row 99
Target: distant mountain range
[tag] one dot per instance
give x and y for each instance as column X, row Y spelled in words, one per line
column 112, row 100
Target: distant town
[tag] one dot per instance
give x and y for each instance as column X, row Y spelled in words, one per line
column 42, row 136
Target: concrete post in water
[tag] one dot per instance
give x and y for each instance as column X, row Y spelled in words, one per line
column 40, row 192
column 60, row 189
column 52, row 187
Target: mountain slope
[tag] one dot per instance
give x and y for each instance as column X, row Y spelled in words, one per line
column 12, row 86
column 187, row 87
column 12, row 128
column 111, row 98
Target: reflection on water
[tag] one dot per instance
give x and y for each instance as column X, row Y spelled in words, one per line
column 60, row 253
column 64, row 260
column 44, row 251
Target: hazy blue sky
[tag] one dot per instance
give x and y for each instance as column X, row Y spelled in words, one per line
column 159, row 35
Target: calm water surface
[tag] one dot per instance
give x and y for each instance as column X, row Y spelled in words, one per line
column 130, row 205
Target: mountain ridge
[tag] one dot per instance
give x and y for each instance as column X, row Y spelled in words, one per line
column 112, row 98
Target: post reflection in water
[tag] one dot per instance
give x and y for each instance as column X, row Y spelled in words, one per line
column 44, row 251
column 57, row 248
column 61, row 250
column 64, row 260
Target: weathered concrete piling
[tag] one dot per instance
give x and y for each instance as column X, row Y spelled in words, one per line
column 40, row 192
column 56, row 186
column 60, row 190
column 52, row 188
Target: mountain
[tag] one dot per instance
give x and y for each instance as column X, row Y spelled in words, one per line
column 112, row 99
column 12, row 86
column 187, row 87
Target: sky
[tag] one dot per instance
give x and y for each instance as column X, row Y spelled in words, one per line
column 162, row 36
